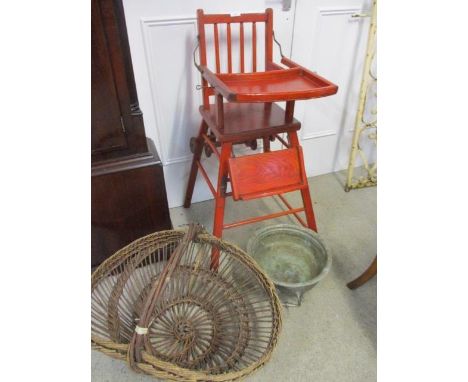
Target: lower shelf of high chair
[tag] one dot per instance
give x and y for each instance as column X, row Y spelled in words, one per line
column 265, row 174
column 244, row 121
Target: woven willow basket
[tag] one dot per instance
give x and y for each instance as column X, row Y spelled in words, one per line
column 184, row 306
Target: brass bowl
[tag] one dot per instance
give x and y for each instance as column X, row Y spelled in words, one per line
column 295, row 258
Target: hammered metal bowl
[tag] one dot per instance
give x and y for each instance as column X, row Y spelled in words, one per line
column 295, row 258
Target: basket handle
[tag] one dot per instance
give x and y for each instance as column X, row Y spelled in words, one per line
column 135, row 346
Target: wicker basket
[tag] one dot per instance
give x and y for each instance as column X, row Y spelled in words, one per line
column 184, row 306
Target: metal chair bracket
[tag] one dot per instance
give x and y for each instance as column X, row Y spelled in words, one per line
column 279, row 45
column 194, row 57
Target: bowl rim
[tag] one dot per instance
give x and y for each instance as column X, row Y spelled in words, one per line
column 291, row 227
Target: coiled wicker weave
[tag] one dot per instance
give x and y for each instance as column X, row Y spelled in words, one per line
column 185, row 306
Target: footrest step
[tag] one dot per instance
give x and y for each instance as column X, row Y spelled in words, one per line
column 265, row 174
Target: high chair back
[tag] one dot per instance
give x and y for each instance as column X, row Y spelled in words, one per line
column 241, row 23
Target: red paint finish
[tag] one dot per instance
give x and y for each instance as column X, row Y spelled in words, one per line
column 251, row 114
column 275, row 85
column 266, row 173
column 244, row 121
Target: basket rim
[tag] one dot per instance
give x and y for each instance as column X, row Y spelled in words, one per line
column 110, row 346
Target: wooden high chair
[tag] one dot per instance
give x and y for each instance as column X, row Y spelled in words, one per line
column 251, row 114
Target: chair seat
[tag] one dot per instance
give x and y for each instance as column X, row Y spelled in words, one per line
column 245, row 121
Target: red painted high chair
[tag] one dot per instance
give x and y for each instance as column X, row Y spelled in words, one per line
column 251, row 114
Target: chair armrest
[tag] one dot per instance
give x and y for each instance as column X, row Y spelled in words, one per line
column 291, row 64
column 218, row 85
column 273, row 66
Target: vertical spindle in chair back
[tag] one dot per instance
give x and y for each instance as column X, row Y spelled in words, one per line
column 243, row 20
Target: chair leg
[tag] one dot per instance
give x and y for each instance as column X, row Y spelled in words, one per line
column 309, row 211
column 220, row 200
column 365, row 277
column 266, row 144
column 305, row 193
column 194, row 169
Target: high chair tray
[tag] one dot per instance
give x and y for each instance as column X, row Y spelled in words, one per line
column 279, row 84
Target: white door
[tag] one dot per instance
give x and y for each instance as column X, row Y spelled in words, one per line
column 162, row 37
column 330, row 40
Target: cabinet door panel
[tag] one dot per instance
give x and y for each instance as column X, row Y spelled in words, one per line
column 107, row 132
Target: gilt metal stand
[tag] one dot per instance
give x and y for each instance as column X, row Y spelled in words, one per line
column 362, row 125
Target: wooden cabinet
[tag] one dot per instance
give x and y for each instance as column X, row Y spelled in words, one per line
column 127, row 187
column 117, row 125
column 128, row 201
column 108, row 131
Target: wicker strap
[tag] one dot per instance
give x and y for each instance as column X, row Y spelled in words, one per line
column 140, row 330
column 137, row 343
